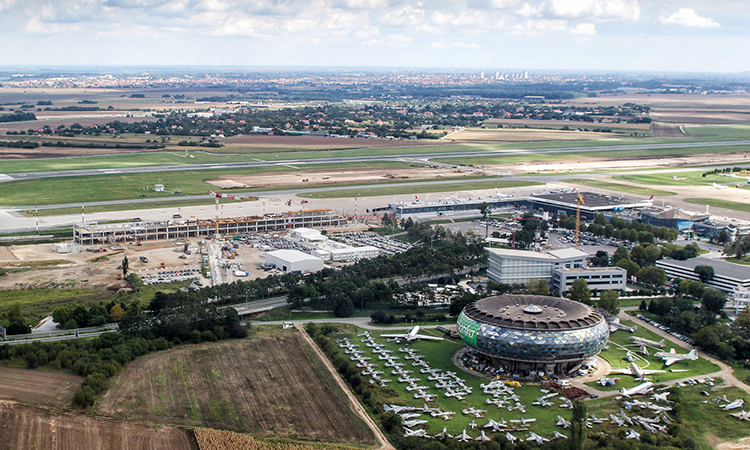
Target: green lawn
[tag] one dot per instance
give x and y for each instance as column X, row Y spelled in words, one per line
column 691, row 178
column 37, row 304
column 419, row 189
column 720, row 131
column 708, row 421
column 726, row 204
column 638, row 190
column 122, row 207
column 745, row 260
column 619, row 344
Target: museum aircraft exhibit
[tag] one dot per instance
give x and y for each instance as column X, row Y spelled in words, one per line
column 521, row 334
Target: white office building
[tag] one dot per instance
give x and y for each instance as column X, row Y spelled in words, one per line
column 727, row 276
column 599, row 279
column 293, row 261
column 508, row 266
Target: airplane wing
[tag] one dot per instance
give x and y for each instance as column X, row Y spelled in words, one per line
column 429, row 338
column 402, row 336
column 669, row 361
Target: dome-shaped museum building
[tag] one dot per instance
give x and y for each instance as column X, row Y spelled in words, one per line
column 531, row 333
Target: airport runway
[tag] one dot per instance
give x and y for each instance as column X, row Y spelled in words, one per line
column 413, row 157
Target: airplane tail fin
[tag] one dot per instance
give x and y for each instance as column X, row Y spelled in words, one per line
column 661, row 342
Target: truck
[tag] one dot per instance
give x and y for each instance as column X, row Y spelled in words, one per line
column 162, row 265
column 241, row 273
column 143, row 259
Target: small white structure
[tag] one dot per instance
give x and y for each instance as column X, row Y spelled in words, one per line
column 308, row 235
column 293, row 261
column 158, row 188
column 67, row 247
column 740, row 299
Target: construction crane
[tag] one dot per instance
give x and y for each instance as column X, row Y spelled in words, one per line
column 579, row 202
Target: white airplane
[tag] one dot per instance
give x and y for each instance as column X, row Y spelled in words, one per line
column 444, row 434
column 561, row 422
column 617, row 421
column 415, row 433
column 463, row 437
column 414, row 423
column 566, row 404
column 483, row 437
column 642, row 341
column 742, row 415
column 719, row 186
column 597, row 420
column 445, row 415
column 412, row 335
column 523, row 421
column 734, row 405
column 615, row 325
column 608, row 381
column 642, row 388
column 473, row 424
column 671, row 357
column 660, row 397
column 398, row 409
column 632, row 434
column 535, row 437
column 478, row 413
column 637, row 372
column 558, row 435
column 630, row 356
column 496, row 425
column 512, row 439
column 407, row 416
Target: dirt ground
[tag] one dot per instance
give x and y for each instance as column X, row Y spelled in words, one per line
column 81, row 269
column 265, row 141
column 334, row 176
column 267, row 386
column 38, row 387
column 29, row 427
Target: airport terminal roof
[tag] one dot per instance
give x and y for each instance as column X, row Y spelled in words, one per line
column 591, row 199
column 533, row 312
column 721, row 267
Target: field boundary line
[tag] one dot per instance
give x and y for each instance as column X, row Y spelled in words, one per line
column 353, row 402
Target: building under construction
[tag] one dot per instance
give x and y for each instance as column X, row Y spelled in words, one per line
column 92, row 233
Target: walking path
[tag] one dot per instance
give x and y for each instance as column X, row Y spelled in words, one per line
column 356, row 405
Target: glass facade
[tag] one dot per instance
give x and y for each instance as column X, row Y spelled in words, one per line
column 531, row 345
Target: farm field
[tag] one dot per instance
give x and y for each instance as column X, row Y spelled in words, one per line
column 734, row 131
column 271, row 385
column 620, row 187
column 210, row 439
column 29, row 427
column 557, row 124
column 419, row 189
column 38, row 387
column 525, row 135
column 619, row 344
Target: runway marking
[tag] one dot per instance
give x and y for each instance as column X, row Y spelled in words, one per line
column 4, row 177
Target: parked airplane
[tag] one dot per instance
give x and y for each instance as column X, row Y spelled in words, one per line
column 558, row 435
column 415, row 433
column 643, row 388
column 637, row 372
column 414, row 423
column 632, row 434
column 412, row 335
column 561, row 422
column 443, row 434
column 617, row 421
column 475, row 412
column 608, row 381
column 660, row 397
column 671, row 357
column 733, row 405
column 642, row 341
column 512, row 439
column 742, row 415
column 597, row 420
column 719, row 186
column 464, row 437
column 615, row 325
column 523, row 421
column 535, row 437
column 483, row 437
column 495, row 425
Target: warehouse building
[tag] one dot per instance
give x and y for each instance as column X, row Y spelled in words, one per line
column 293, row 261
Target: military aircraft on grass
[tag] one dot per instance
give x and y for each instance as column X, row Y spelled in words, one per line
column 411, row 335
column 671, row 357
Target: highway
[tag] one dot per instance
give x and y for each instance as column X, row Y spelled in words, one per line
column 353, row 159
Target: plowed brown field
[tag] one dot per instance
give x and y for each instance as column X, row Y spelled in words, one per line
column 36, row 386
column 29, row 427
column 269, row 386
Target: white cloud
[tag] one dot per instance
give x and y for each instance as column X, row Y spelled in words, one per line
column 405, row 16
column 584, row 29
column 36, row 26
column 361, row 4
column 621, row 10
column 392, row 40
column 529, row 10
column 539, row 27
column 688, row 17
column 455, row 45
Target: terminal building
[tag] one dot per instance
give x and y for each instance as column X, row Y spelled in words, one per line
column 524, row 334
column 727, row 276
column 92, row 233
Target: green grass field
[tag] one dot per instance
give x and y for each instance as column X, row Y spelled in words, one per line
column 726, row 204
column 620, row 187
column 619, row 344
column 709, row 422
column 720, row 131
column 121, row 207
column 691, row 178
column 39, row 303
column 745, row 260
column 419, row 189
column 129, row 186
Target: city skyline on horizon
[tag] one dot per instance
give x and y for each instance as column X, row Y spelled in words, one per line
column 627, row 36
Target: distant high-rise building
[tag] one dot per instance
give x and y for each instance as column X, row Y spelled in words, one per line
column 481, row 75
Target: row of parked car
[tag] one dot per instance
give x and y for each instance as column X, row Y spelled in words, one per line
column 666, row 329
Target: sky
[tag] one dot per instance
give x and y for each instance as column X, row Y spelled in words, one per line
column 568, row 35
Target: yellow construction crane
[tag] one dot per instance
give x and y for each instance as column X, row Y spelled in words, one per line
column 579, row 202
